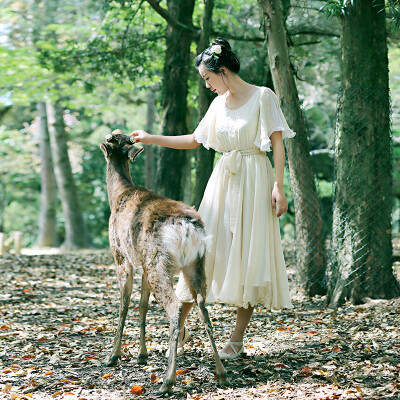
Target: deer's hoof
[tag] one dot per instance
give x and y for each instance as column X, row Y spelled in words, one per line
column 165, row 388
column 142, row 359
column 223, row 378
column 111, row 361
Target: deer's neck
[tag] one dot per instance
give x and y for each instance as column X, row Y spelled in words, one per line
column 118, row 181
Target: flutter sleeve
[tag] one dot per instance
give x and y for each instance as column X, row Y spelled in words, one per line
column 271, row 119
column 205, row 133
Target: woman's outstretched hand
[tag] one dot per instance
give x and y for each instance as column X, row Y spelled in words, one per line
column 141, row 136
column 279, row 202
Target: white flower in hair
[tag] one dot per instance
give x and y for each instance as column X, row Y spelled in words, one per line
column 216, row 49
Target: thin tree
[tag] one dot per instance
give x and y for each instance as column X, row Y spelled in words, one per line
column 149, row 151
column 362, row 260
column 204, row 157
column 311, row 253
column 75, row 228
column 47, row 236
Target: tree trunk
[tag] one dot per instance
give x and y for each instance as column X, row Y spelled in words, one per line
column 75, row 228
column 311, row 253
column 47, row 221
column 149, row 151
column 175, row 87
column 362, row 256
column 187, row 185
column 204, row 157
column 3, row 203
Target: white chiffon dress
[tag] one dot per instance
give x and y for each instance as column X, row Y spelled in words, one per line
column 244, row 263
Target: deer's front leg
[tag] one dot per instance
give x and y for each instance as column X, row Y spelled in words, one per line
column 126, row 282
column 143, row 307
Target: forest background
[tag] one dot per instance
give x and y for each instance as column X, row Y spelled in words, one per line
column 73, row 71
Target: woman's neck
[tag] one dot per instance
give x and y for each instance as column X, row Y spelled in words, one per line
column 239, row 89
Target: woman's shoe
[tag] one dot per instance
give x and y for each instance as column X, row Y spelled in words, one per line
column 181, row 342
column 236, row 353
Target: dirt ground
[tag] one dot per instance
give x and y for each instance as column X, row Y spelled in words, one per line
column 58, row 315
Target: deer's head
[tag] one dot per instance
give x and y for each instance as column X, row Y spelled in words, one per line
column 119, row 147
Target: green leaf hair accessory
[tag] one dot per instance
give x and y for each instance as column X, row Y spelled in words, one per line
column 216, row 50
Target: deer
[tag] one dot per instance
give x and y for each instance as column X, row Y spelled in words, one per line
column 159, row 237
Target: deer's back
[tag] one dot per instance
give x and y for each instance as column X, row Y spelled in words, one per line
column 139, row 216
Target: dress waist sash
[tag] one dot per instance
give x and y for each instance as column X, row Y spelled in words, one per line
column 233, row 163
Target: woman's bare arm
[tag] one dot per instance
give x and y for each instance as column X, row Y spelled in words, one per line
column 173, row 142
column 278, row 195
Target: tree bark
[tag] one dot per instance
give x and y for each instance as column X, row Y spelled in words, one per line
column 204, row 157
column 47, row 221
column 175, row 88
column 75, row 228
column 362, row 258
column 311, row 253
column 149, row 151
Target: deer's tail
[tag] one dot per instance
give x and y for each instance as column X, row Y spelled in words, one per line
column 185, row 242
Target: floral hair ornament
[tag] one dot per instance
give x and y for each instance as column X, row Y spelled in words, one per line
column 216, row 50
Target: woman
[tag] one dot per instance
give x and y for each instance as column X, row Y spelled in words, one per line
column 245, row 264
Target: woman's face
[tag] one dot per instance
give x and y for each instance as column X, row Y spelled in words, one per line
column 213, row 81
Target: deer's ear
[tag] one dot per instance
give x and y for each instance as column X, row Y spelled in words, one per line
column 134, row 152
column 106, row 149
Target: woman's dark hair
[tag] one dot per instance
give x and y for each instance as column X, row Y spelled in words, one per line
column 214, row 63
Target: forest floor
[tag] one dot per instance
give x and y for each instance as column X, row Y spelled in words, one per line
column 58, row 315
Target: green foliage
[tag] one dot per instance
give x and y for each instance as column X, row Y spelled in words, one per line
column 122, row 46
column 19, row 182
column 334, row 8
column 393, row 8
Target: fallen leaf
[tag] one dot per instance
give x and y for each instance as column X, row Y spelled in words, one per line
column 107, row 376
column 280, row 365
column 7, row 387
column 154, row 378
column 28, row 357
column 181, row 371
column 137, row 389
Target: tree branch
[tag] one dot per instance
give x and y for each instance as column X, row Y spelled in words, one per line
column 192, row 30
column 227, row 35
column 304, row 31
column 195, row 31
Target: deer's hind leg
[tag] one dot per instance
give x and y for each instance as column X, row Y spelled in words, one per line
column 161, row 285
column 196, row 280
column 143, row 307
column 125, row 277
